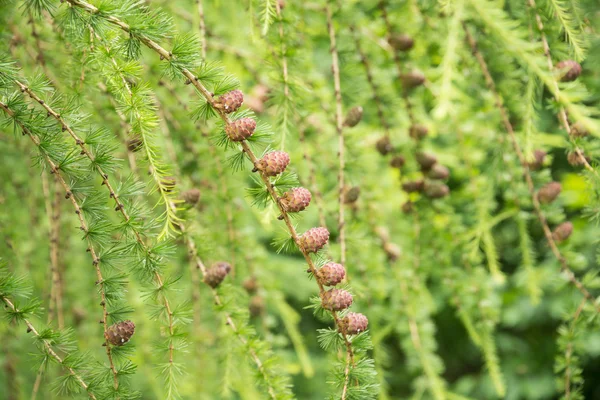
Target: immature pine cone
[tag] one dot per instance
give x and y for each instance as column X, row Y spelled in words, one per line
column 401, row 42
column 407, row 207
column 436, row 190
column 331, row 274
column 562, row 231
column 273, row 163
column 438, row 171
column 354, row 116
column 548, row 193
column 354, row 323
column 569, row 69
column 216, row 274
column 538, row 160
column 230, row 101
column 418, row 131
column 240, row 129
column 397, row 162
column 413, row 186
column 314, row 239
column 392, row 251
column 412, row 80
column 578, row 130
column 336, row 300
column 576, row 158
column 256, row 306
column 135, row 144
column 426, row 160
column 191, row 196
column 352, row 195
column 118, row 334
column 384, row 146
column 296, row 199
column 250, row 285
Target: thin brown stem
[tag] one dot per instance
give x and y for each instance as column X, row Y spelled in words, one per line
column 339, row 123
column 47, row 346
column 202, row 27
column 562, row 114
column 54, row 254
column 536, row 204
column 54, row 169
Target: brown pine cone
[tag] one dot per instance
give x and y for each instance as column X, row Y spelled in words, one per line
column 562, row 231
column 273, row 163
column 438, row 171
column 384, row 146
column 412, row 80
column 401, row 42
column 353, row 117
column 413, row 186
column 331, row 274
column 240, row 129
column 336, row 300
column 354, row 323
column 418, row 131
column 569, row 70
column 314, row 239
column 548, row 193
column 351, row 196
column 538, row 160
column 191, row 196
column 118, row 334
column 216, row 274
column 426, row 160
column 296, row 199
column 230, row 101
column 436, row 190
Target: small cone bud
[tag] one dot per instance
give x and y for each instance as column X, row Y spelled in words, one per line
column 314, row 239
column 578, row 130
column 401, row 42
column 256, row 306
column 168, row 183
column 576, row 158
column 562, row 231
column 354, row 116
column 230, row 101
column 336, row 300
column 569, row 70
column 436, row 190
column 331, row 274
column 413, row 186
column 392, row 251
column 407, row 207
column 120, row 333
column 549, row 192
column 352, row 195
column 296, row 199
column 426, row 160
column 273, row 163
column 412, row 80
column 384, row 146
column 438, row 171
column 191, row 196
column 216, row 274
column 538, row 160
column 354, row 323
column 397, row 162
column 418, row 131
column 240, row 129
column 250, row 285
column 135, row 144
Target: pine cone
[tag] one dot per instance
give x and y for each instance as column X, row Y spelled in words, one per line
column 576, row 158
column 314, row 239
column 118, row 334
column 331, row 274
column 230, row 101
column 354, row 323
column 392, row 251
column 250, row 285
column 352, row 195
column 384, row 146
column 562, row 231
column 168, row 183
column 578, row 130
column 397, row 162
column 273, row 163
column 191, row 196
column 401, row 42
column 438, row 171
column 436, row 190
column 135, row 144
column 296, row 199
column 412, row 80
column 426, row 160
column 538, row 160
column 354, row 116
column 548, row 193
column 216, row 274
column 413, row 186
column 418, row 131
column 569, row 70
column 240, row 129
column 407, row 207
column 336, row 300
column 256, row 306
